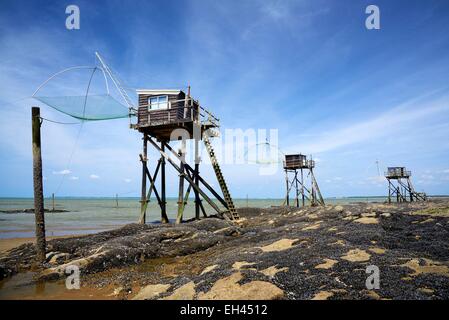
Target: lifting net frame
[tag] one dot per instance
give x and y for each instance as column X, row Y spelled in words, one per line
column 90, row 107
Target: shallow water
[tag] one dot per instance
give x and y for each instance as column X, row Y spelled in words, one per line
column 23, row 286
column 90, row 215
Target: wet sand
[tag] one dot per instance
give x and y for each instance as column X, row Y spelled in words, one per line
column 8, row 244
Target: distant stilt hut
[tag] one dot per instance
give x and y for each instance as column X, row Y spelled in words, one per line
column 400, row 186
column 298, row 164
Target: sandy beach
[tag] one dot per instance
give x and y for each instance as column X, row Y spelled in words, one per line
column 8, row 244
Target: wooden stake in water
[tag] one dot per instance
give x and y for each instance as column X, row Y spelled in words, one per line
column 53, row 201
column 38, row 185
column 116, row 200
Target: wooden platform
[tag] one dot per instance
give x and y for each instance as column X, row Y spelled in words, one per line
column 163, row 132
column 161, row 124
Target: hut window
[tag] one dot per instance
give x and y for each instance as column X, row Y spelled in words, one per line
column 159, row 102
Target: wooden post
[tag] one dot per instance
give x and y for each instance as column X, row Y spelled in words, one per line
column 181, row 183
column 398, row 192
column 196, row 173
column 389, row 191
column 143, row 196
column 38, row 186
column 312, row 189
column 164, row 218
column 411, row 190
column 297, row 188
column 286, row 183
column 53, row 201
column 116, row 200
column 302, row 188
column 186, row 102
column 197, row 196
column 197, row 136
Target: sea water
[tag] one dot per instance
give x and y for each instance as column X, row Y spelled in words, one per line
column 90, row 215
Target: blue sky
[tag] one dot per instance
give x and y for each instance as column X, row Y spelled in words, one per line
column 310, row 69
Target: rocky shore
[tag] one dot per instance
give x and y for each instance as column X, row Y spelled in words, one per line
column 274, row 253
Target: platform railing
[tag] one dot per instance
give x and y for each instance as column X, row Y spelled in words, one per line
column 297, row 164
column 398, row 173
column 178, row 111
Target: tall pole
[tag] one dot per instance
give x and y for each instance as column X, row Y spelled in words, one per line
column 389, row 191
column 286, row 184
column 143, row 196
column 196, row 181
column 181, row 183
column 197, row 136
column 297, row 189
column 53, row 201
column 38, row 186
column 398, row 194
column 312, row 189
column 410, row 187
column 116, row 200
column 302, row 188
column 164, row 218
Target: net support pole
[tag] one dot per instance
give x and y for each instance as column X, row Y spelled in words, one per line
column 38, row 185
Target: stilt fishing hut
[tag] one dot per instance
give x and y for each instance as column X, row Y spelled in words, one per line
column 400, row 186
column 164, row 116
column 295, row 164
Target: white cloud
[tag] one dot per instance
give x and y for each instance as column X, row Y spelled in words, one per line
column 74, row 178
column 63, row 172
column 382, row 125
column 94, row 176
column 127, row 180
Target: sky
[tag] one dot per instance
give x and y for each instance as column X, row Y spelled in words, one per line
column 334, row 90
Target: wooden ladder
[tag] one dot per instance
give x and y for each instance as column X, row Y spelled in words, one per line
column 224, row 188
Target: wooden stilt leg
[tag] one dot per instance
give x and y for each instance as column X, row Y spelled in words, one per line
column 181, row 185
column 187, row 177
column 296, row 189
column 164, row 218
column 143, row 199
column 287, row 192
column 195, row 177
column 302, row 188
